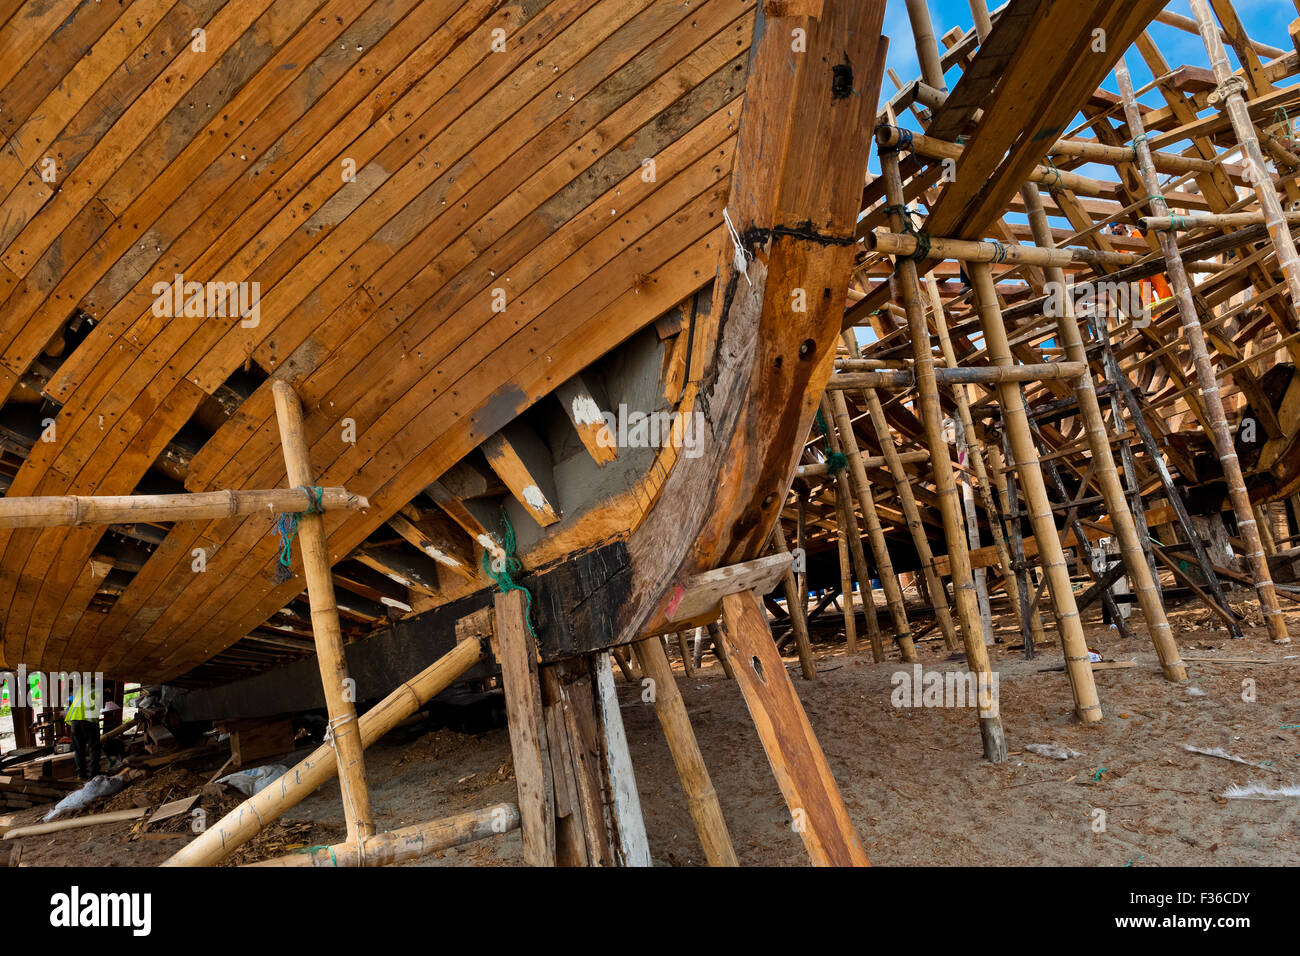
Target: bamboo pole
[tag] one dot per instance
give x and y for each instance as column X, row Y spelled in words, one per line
column 798, row 618
column 906, row 244
column 966, row 375
column 1203, row 220
column 245, row 820
column 76, row 510
column 1210, row 397
column 701, row 798
column 868, row 461
column 912, row 514
column 1140, row 577
column 408, row 843
column 973, row 536
column 849, row 520
column 1016, row 423
column 56, row 826
column 1030, row 626
column 931, row 414
column 927, row 48
column 342, row 726
column 876, row 534
column 846, row 588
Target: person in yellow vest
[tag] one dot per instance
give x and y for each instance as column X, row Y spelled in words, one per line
column 83, row 723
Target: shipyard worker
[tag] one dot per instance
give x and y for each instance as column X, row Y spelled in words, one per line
column 83, row 723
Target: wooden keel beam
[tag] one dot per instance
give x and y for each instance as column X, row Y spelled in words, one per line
column 343, row 730
column 817, row 809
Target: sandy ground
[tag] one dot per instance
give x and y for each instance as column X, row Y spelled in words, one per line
column 914, row 780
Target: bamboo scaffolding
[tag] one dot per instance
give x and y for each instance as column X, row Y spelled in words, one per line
column 875, row 534
column 868, row 461
column 1209, row 220
column 920, row 540
column 795, row 607
column 75, row 510
column 966, row 375
column 849, row 521
column 1030, row 626
column 244, row 821
column 1209, row 395
column 931, row 414
column 342, row 727
column 907, row 244
column 1016, row 423
column 1140, row 576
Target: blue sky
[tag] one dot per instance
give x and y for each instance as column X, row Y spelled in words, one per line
column 1266, row 21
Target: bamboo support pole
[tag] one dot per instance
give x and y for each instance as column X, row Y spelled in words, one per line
column 701, row 798
column 912, row 514
column 1209, row 220
column 1016, row 422
column 1172, row 493
column 973, row 537
column 795, row 607
column 1031, row 626
column 1141, row 579
column 245, row 820
column 342, row 727
column 849, row 521
column 927, row 47
column 906, row 244
column 1209, row 394
column 846, row 588
column 966, row 375
column 408, row 843
column 868, row 461
column 75, row 510
column 931, row 414
column 875, row 534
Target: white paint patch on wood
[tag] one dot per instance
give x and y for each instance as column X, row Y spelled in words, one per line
column 441, row 557
column 534, row 498
column 586, row 411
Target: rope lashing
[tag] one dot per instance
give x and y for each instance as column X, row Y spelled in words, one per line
column 1056, row 172
column 286, row 526
column 922, row 250
column 502, row 569
column 742, row 255
column 835, row 460
column 904, row 137
column 1133, row 143
column 999, row 251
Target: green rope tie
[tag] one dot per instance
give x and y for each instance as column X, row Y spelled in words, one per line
column 836, row 461
column 1133, row 143
column 510, row 566
column 1056, row 172
column 286, row 526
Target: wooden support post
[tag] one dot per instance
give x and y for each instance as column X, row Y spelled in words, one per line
column 912, row 514
column 1126, row 531
column 931, row 414
column 720, row 650
column 688, row 666
column 624, row 800
column 516, row 652
column 876, row 535
column 850, row 613
column 817, row 810
column 701, row 798
column 328, row 635
column 1205, row 374
column 1016, row 423
column 583, row 837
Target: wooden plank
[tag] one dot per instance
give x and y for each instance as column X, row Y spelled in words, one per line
column 626, row 801
column 516, row 652
column 817, row 809
column 585, row 412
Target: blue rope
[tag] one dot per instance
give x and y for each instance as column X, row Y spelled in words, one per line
column 286, row 526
